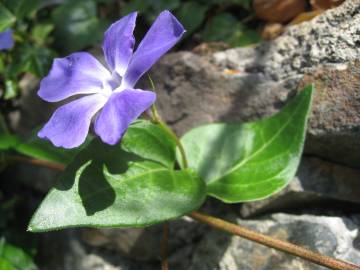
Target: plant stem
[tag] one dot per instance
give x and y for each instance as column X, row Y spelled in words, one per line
column 177, row 141
column 37, row 162
column 163, row 247
column 157, row 119
column 284, row 246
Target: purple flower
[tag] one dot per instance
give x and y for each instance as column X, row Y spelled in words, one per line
column 6, row 40
column 108, row 92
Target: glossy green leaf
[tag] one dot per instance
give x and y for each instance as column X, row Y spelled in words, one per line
column 144, row 138
column 245, row 162
column 14, row 258
column 106, row 186
column 6, row 18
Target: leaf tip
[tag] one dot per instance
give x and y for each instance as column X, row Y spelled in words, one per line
column 30, row 228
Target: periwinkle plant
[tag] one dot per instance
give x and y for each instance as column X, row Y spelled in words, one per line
column 139, row 172
column 128, row 177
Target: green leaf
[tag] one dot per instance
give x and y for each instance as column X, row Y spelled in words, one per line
column 244, row 3
column 14, row 258
column 77, row 26
column 106, row 186
column 144, row 138
column 42, row 149
column 225, row 27
column 246, row 162
column 2, row 64
column 33, row 59
column 6, row 18
column 191, row 15
column 22, row 8
column 40, row 32
column 220, row 27
column 11, row 89
column 36, row 60
column 8, row 141
column 35, row 147
column 150, row 8
column 244, row 36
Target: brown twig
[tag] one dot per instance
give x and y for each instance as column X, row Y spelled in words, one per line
column 37, row 162
column 284, row 246
column 163, row 247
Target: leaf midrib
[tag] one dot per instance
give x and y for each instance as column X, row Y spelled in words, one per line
column 122, row 180
column 260, row 149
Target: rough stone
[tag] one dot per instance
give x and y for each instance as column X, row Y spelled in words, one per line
column 65, row 251
column 334, row 126
column 317, row 183
column 244, row 84
column 331, row 39
column 139, row 244
column 332, row 236
column 144, row 244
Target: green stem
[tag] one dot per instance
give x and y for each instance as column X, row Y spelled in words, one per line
column 157, row 119
column 177, row 141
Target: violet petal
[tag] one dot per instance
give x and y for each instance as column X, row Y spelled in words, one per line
column 78, row 73
column 6, row 40
column 119, row 43
column 163, row 34
column 121, row 109
column 69, row 124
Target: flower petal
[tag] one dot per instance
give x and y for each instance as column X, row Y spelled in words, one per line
column 163, row 34
column 6, row 40
column 121, row 109
column 78, row 73
column 69, row 124
column 119, row 43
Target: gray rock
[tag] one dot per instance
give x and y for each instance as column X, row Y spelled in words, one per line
column 317, row 182
column 332, row 236
column 143, row 244
column 331, row 39
column 244, row 84
column 140, row 244
column 65, row 251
